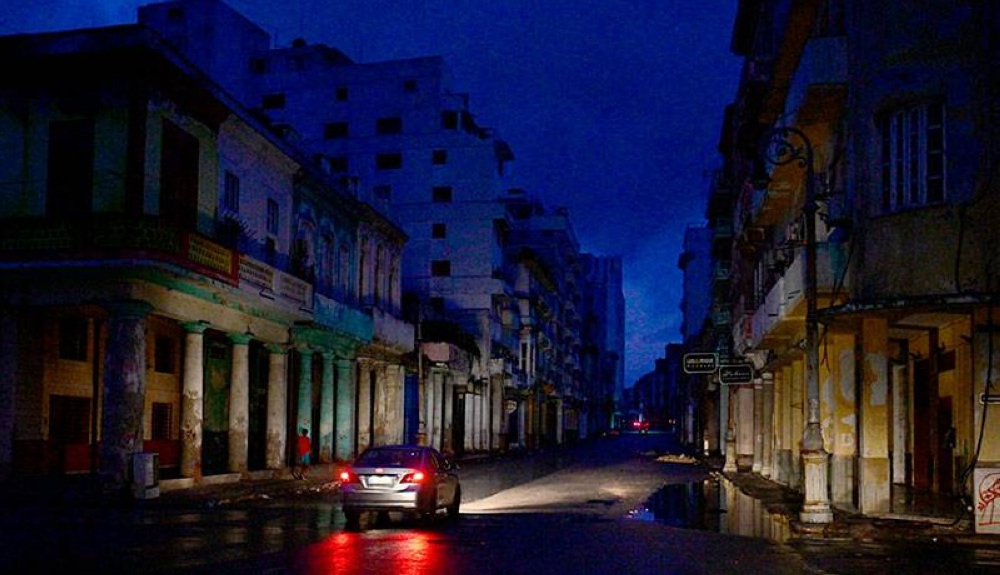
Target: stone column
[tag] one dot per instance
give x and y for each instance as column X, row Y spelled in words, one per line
column 730, row 410
column 874, row 479
column 8, row 389
column 843, row 418
column 767, row 423
column 365, row 399
column 797, row 399
column 430, row 409
column 744, row 426
column 326, row 401
column 344, row 448
column 396, row 411
column 498, row 411
column 239, row 403
column 277, row 407
column 124, row 391
column 303, row 418
column 193, row 399
column 758, row 425
column 447, row 420
column 559, row 421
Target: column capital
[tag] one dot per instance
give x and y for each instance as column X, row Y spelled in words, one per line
column 276, row 348
column 198, row 326
column 240, row 338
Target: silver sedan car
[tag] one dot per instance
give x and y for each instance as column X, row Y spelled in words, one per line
column 414, row 479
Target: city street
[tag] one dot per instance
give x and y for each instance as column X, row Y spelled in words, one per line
column 578, row 509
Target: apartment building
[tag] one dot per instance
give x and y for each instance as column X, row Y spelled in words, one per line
column 177, row 278
column 859, row 168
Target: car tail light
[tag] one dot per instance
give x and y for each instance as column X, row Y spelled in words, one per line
column 415, row 477
column 348, row 477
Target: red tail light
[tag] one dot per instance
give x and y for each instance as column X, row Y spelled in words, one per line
column 415, row 477
column 348, row 477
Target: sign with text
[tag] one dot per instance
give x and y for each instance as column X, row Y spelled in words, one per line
column 701, row 363
column 736, row 374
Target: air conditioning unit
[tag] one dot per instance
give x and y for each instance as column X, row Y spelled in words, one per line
column 146, row 475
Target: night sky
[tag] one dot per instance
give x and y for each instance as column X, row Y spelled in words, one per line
column 613, row 108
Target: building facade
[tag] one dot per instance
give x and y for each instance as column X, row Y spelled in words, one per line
column 858, row 171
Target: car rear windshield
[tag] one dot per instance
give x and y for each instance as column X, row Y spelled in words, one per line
column 390, row 458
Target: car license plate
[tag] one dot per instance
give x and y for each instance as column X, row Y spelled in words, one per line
column 380, row 480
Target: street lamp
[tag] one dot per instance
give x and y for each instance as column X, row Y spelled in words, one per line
column 783, row 146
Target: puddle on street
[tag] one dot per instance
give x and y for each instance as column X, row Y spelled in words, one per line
column 716, row 505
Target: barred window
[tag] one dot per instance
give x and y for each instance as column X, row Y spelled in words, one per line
column 912, row 156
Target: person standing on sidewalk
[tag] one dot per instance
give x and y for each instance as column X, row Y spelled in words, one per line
column 302, row 459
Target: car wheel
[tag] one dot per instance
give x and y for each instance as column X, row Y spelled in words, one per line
column 353, row 519
column 455, row 504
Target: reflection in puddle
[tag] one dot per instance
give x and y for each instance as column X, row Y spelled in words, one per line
column 713, row 504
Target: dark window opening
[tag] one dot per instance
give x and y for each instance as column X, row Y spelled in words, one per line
column 389, row 126
column 439, row 157
column 441, row 194
column 409, row 86
column 336, row 130
column 338, row 164
column 439, row 231
column 161, row 420
column 273, row 101
column 70, row 188
column 73, row 332
column 164, row 354
column 391, row 161
column 441, row 268
column 342, row 94
column 449, row 120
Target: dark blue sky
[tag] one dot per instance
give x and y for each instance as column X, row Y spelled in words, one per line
column 613, row 108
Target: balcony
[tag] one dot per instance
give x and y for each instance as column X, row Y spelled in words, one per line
column 110, row 238
column 782, row 314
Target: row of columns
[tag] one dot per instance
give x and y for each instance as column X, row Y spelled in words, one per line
column 766, row 420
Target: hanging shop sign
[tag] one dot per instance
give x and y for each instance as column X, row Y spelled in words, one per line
column 701, row 362
column 736, row 374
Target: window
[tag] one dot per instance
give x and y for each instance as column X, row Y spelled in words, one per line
column 180, row 166
column 162, row 417
column 389, row 126
column 390, row 161
column 73, row 338
column 912, row 156
column 273, row 101
column 258, row 65
column 437, row 305
column 272, row 216
column 71, row 168
column 341, row 93
column 270, row 251
column 441, row 268
column 439, row 231
column 336, row 130
column 338, row 164
column 231, row 193
column 164, row 354
column 441, row 194
column 439, row 157
column 449, row 120
column 409, row 86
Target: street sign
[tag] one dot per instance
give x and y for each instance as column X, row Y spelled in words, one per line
column 736, row 374
column 700, row 362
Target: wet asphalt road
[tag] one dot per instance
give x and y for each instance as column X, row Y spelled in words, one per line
column 576, row 510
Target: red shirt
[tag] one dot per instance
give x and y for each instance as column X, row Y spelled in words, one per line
column 304, row 444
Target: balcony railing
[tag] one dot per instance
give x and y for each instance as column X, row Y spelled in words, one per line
column 116, row 237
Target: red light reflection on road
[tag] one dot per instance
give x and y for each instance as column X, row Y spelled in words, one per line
column 393, row 552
